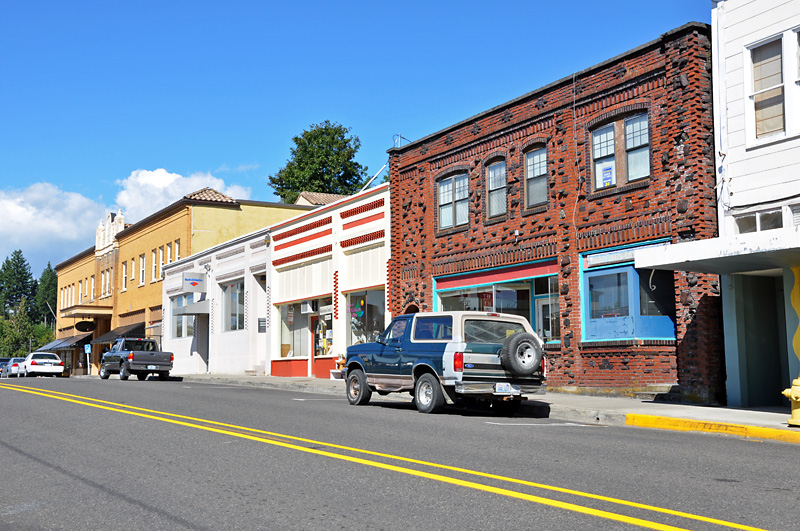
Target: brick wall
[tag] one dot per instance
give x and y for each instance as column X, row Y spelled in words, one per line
column 670, row 79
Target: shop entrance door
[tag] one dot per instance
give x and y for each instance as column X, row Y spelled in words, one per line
column 547, row 319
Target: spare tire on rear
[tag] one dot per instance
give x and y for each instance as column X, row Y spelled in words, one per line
column 521, row 354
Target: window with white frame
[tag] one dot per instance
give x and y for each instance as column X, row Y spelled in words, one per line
column 182, row 325
column 92, row 293
column 154, row 272
column 618, row 163
column 141, row 269
column 759, row 221
column 177, row 250
column 233, row 305
column 496, row 184
column 536, row 177
column 80, row 291
column 768, row 88
column 160, row 260
column 133, row 268
column 772, row 88
column 453, row 201
column 169, row 253
column 124, row 276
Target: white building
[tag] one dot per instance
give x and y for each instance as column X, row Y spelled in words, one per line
column 756, row 76
column 216, row 307
column 328, row 274
column 284, row 300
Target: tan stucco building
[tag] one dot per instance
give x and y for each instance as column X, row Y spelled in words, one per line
column 114, row 288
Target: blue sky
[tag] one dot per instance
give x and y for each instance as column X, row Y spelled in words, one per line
column 129, row 106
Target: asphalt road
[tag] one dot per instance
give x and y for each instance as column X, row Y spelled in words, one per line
column 174, row 455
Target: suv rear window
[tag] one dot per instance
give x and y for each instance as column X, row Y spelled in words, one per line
column 433, row 328
column 478, row 331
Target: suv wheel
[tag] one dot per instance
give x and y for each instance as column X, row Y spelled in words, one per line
column 521, row 354
column 103, row 373
column 358, row 391
column 428, row 394
column 124, row 373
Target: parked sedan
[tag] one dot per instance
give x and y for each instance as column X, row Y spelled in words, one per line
column 12, row 369
column 42, row 363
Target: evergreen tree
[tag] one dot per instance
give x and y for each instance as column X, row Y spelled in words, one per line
column 322, row 161
column 16, row 281
column 17, row 332
column 46, row 292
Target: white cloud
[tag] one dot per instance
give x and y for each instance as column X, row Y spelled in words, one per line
column 51, row 225
column 47, row 224
column 147, row 191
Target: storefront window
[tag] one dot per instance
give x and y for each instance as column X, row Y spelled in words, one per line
column 629, row 303
column 233, row 305
column 540, row 308
column 366, row 311
column 182, row 325
column 294, row 331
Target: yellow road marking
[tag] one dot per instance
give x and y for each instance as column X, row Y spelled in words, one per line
column 146, row 413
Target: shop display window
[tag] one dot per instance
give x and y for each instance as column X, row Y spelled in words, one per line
column 233, row 305
column 294, row 331
column 182, row 325
column 625, row 303
column 366, row 311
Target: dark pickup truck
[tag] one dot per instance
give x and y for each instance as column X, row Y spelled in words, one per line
column 135, row 356
column 447, row 357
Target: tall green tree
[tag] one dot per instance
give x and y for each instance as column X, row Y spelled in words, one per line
column 46, row 292
column 17, row 332
column 321, row 161
column 16, row 281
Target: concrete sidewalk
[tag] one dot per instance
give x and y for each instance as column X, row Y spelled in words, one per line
column 613, row 411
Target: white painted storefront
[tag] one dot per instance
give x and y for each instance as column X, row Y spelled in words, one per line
column 329, row 276
column 216, row 308
column 284, row 300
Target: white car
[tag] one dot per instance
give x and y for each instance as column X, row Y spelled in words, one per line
column 12, row 368
column 44, row 363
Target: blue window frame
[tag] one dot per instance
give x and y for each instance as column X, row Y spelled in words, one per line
column 620, row 303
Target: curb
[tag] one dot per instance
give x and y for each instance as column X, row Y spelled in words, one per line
column 740, row 430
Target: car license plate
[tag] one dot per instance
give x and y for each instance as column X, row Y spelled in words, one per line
column 152, row 368
column 502, row 388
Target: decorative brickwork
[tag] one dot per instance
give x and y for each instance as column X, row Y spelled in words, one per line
column 669, row 79
column 305, row 228
column 365, row 238
column 361, row 209
column 302, row 256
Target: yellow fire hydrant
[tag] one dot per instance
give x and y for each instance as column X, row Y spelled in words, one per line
column 793, row 394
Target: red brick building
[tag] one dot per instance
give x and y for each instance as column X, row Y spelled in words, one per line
column 536, row 207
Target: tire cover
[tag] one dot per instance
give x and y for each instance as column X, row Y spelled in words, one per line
column 515, row 356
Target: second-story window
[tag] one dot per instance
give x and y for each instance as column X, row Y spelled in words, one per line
column 496, row 180
column 124, row 276
column 453, row 201
column 768, row 93
column 141, row 269
column 624, row 161
column 536, row 177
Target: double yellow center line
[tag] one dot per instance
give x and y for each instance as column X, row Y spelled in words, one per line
column 291, row 442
